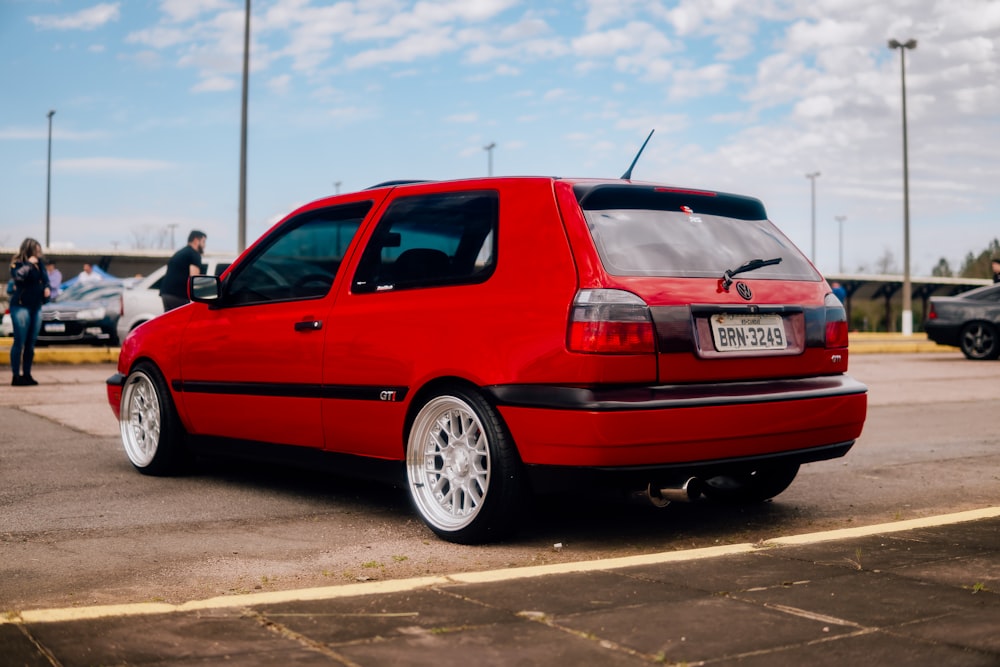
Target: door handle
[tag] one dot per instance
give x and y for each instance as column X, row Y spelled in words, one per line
column 312, row 325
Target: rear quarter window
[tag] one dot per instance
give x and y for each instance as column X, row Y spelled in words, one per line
column 651, row 231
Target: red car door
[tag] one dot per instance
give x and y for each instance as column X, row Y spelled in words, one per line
column 252, row 363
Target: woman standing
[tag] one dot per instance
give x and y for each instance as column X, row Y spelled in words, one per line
column 31, row 290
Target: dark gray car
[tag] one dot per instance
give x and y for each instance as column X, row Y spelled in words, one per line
column 83, row 314
column 970, row 321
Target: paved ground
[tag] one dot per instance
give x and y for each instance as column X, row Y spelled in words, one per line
column 924, row 592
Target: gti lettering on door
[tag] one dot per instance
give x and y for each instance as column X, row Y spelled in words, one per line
column 387, row 395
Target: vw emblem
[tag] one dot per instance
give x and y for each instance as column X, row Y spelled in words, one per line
column 744, row 291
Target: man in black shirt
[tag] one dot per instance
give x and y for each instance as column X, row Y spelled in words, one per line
column 185, row 262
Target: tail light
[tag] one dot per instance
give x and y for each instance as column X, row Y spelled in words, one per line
column 836, row 322
column 931, row 313
column 608, row 321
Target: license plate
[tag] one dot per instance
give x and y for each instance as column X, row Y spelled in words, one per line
column 739, row 333
column 55, row 327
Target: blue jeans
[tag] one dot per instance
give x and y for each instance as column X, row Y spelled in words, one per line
column 27, row 323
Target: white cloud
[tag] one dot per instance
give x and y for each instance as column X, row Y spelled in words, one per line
column 279, row 85
column 470, row 117
column 110, row 164
column 214, row 84
column 405, row 50
column 159, row 37
column 85, row 19
column 697, row 82
column 186, row 10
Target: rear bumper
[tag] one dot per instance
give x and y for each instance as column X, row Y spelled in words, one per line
column 942, row 334
column 683, row 425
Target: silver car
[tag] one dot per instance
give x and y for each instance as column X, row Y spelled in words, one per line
column 142, row 302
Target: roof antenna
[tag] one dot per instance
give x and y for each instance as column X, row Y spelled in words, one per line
column 627, row 176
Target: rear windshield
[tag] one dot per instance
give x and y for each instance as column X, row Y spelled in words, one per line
column 651, row 231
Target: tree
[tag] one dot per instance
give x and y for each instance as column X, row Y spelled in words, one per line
column 147, row 237
column 943, row 269
column 978, row 265
column 886, row 264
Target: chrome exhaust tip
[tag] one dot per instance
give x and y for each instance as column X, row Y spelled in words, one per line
column 688, row 492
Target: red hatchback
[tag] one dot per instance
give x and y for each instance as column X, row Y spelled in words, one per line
column 487, row 338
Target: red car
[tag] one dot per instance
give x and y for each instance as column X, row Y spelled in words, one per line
column 485, row 339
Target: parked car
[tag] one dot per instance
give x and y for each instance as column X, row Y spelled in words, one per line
column 482, row 340
column 970, row 321
column 83, row 314
column 142, row 301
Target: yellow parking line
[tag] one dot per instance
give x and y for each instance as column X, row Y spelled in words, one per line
column 508, row 574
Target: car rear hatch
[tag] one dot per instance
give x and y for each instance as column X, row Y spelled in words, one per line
column 729, row 296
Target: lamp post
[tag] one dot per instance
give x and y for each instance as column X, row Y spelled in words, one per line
column 840, row 238
column 907, row 323
column 489, row 156
column 48, row 182
column 812, row 177
column 241, row 240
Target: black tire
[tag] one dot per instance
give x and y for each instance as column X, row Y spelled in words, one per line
column 464, row 475
column 979, row 341
column 151, row 432
column 752, row 485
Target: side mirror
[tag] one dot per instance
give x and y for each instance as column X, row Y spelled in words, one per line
column 204, row 289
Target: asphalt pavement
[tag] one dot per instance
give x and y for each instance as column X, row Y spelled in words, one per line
column 918, row 592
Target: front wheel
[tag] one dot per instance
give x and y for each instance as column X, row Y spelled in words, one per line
column 979, row 341
column 152, row 434
column 463, row 472
column 752, row 485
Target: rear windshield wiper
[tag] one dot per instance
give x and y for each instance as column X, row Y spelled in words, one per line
column 752, row 265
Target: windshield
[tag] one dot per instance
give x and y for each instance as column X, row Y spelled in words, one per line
column 82, row 292
column 645, row 231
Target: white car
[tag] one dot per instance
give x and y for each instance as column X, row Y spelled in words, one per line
column 142, row 302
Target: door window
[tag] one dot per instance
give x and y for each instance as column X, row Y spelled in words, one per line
column 300, row 261
column 430, row 240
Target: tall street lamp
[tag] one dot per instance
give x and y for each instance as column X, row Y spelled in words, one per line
column 241, row 240
column 840, row 237
column 907, row 324
column 812, row 177
column 48, row 183
column 489, row 156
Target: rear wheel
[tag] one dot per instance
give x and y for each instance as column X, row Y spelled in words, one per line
column 979, row 341
column 464, row 476
column 152, row 434
column 752, row 485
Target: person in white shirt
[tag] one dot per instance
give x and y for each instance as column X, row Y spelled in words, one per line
column 87, row 276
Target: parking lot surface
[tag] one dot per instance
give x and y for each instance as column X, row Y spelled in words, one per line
column 922, row 592
column 918, row 592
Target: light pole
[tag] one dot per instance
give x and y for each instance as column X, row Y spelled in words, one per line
column 336, row 187
column 812, row 177
column 907, row 324
column 48, row 183
column 489, row 156
column 840, row 237
column 241, row 240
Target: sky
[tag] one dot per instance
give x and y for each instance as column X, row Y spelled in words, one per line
column 745, row 96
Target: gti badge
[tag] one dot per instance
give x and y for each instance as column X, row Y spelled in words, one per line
column 744, row 291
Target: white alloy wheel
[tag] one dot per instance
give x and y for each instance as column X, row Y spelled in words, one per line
column 140, row 419
column 448, row 464
column 152, row 434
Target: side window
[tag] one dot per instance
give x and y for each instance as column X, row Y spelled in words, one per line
column 431, row 240
column 300, row 260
